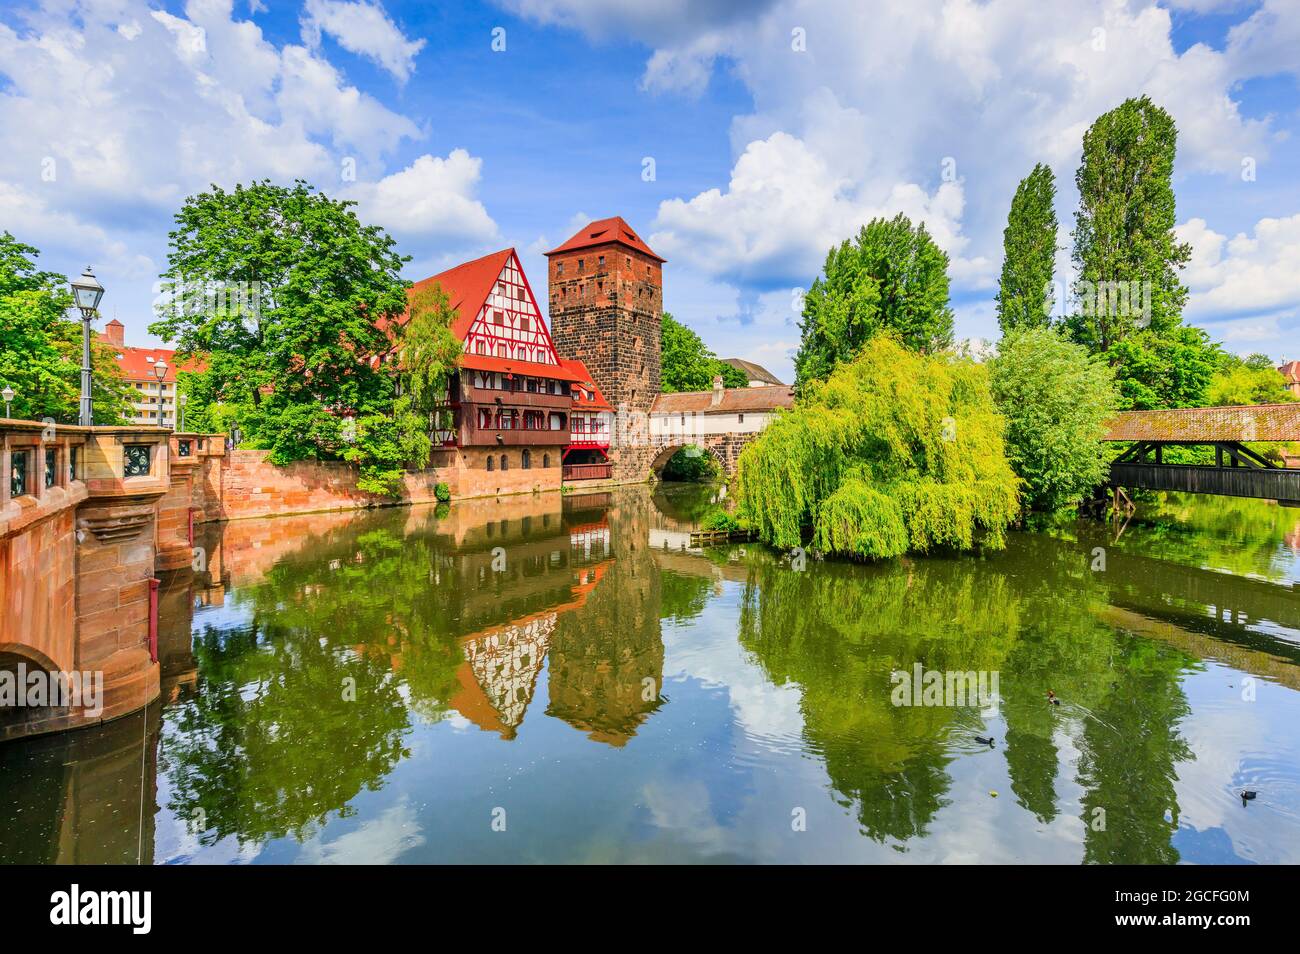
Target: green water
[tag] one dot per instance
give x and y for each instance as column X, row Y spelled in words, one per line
column 375, row 688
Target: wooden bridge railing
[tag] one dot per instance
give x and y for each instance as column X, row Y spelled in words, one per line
column 1259, row 482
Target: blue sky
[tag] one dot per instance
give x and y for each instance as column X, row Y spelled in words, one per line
column 775, row 127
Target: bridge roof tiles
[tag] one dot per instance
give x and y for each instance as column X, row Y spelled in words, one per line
column 1262, row 422
column 733, row 400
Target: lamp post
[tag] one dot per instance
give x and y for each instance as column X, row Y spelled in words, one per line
column 160, row 372
column 181, row 401
column 8, row 395
column 86, row 292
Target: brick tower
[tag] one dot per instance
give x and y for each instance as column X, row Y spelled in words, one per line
column 606, row 303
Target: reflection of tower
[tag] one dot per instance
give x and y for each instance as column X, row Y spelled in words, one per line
column 606, row 661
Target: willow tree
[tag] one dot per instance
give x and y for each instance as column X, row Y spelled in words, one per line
column 896, row 451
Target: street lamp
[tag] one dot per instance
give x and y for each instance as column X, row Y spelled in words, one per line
column 160, row 372
column 182, row 400
column 86, row 292
column 8, row 395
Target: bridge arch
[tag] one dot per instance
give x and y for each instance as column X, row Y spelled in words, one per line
column 723, row 448
column 11, row 654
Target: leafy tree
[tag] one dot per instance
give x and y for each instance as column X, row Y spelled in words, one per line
column 40, row 349
column 892, row 277
column 1253, row 380
column 294, row 299
column 1056, row 399
column 1024, row 296
column 687, row 363
column 1127, row 259
column 692, row 464
column 897, row 451
column 1173, row 369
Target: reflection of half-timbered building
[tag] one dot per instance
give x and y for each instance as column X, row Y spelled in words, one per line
column 515, row 404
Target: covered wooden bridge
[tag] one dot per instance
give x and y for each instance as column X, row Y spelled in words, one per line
column 1237, row 470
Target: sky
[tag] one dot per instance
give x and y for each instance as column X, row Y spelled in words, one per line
column 742, row 139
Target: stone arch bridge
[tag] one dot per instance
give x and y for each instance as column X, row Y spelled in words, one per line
column 721, row 421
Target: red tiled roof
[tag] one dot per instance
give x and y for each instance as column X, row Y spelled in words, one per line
column 1291, row 371
column 597, row 402
column 605, row 232
column 733, row 399
column 1260, row 422
column 485, row 362
column 137, row 364
column 467, row 287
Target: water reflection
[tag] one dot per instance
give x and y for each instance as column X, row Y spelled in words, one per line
column 369, row 686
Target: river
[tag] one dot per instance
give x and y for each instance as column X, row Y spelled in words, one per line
column 560, row 679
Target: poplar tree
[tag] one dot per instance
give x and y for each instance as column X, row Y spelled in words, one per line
column 1127, row 260
column 1025, row 297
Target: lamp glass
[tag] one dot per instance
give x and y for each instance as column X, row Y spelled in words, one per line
column 87, row 291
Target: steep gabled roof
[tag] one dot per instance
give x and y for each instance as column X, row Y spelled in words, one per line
column 605, row 232
column 467, row 287
column 584, row 379
column 1291, row 371
column 755, row 372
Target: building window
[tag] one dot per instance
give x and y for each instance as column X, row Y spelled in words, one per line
column 580, row 261
column 51, row 466
column 18, row 473
column 505, row 462
column 523, row 322
column 559, row 268
column 136, row 460
column 498, row 318
column 740, row 419
column 527, row 459
column 490, row 461
column 557, row 421
column 601, row 261
column 546, row 462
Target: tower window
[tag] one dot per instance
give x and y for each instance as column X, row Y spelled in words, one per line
column 601, row 260
column 580, row 262
column 559, row 268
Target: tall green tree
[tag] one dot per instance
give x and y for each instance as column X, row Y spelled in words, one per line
column 40, row 349
column 1129, row 295
column 687, row 363
column 295, row 301
column 1056, row 398
column 895, row 452
column 1253, row 380
column 890, row 277
column 1025, row 296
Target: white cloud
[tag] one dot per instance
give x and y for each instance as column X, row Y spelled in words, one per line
column 112, row 113
column 432, row 198
column 362, row 28
column 784, row 208
column 1250, row 276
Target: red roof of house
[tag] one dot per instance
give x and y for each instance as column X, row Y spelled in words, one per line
column 467, row 287
column 137, row 364
column 487, row 362
column 1291, row 371
column 597, row 401
column 605, row 232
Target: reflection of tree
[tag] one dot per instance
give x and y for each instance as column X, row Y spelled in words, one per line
column 1129, row 756
column 838, row 631
column 683, row 597
column 270, row 743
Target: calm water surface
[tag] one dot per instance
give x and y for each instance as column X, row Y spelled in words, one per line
column 372, row 688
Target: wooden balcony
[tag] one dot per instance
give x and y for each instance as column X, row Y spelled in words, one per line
column 587, row 471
